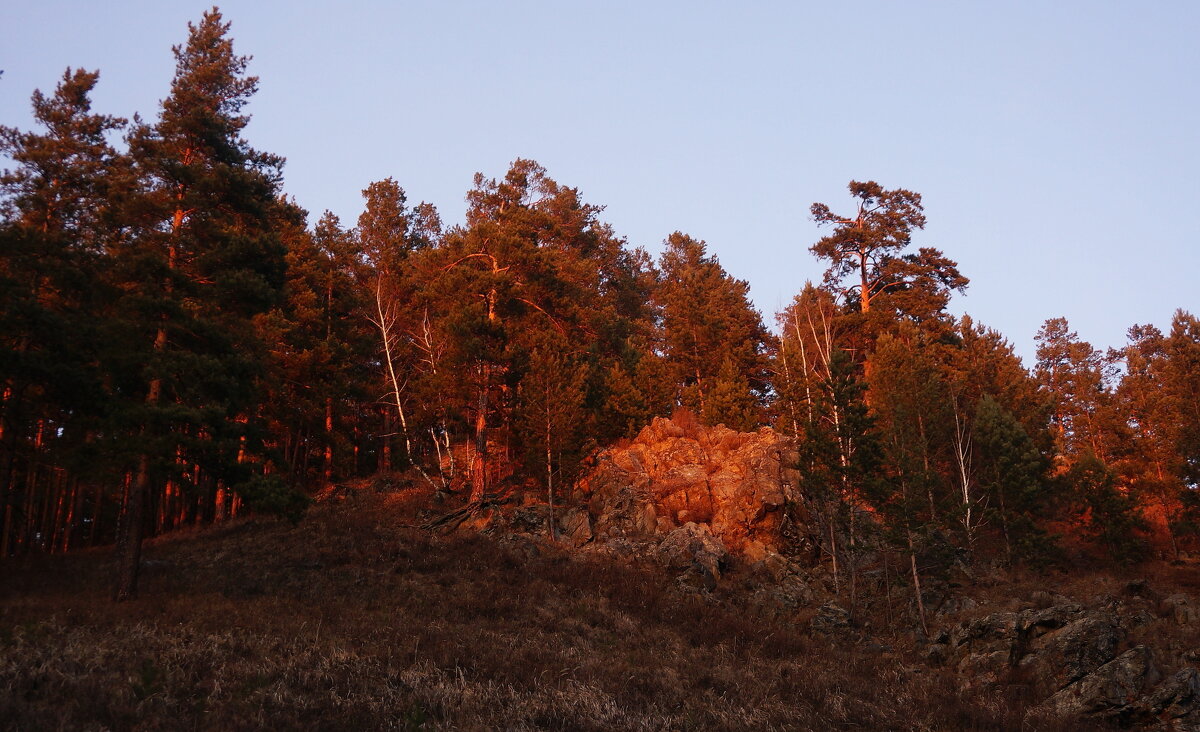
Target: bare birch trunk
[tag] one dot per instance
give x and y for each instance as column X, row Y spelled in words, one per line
column 962, row 458
column 386, row 324
column 916, row 577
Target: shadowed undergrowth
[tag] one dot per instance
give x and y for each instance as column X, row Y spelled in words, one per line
column 354, row 621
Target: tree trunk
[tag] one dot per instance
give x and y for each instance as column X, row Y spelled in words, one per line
column 98, row 501
column 62, row 493
column 7, row 533
column 74, row 506
column 129, row 542
column 837, row 590
column 550, row 476
column 1004, row 527
column 916, row 577
column 479, row 465
column 328, row 441
column 864, row 292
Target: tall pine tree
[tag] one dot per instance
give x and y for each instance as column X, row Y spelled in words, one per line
column 58, row 223
column 708, row 320
column 203, row 263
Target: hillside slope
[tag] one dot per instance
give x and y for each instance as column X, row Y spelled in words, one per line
column 355, row 619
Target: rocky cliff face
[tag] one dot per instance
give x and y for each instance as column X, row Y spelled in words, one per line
column 673, row 474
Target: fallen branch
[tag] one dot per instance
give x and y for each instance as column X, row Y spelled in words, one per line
column 454, row 519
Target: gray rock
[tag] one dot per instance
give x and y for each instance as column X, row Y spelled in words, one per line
column 1055, row 646
column 956, row 604
column 575, row 526
column 937, row 654
column 1137, row 618
column 997, row 631
column 1035, row 623
column 1063, row 656
column 790, row 593
column 528, row 519
column 1141, row 588
column 985, row 668
column 830, row 620
column 692, row 548
column 1179, row 607
column 1111, row 691
column 1177, row 698
column 1042, row 599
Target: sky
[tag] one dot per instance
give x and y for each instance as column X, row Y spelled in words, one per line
column 1056, row 145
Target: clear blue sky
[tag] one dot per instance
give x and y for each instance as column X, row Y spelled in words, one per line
column 1056, row 143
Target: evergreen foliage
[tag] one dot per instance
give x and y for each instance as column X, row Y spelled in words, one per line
column 179, row 343
column 1013, row 477
column 713, row 339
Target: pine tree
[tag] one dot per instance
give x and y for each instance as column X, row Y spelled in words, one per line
column 532, row 261
column 1159, row 394
column 811, row 331
column 625, row 407
column 984, row 364
column 321, row 349
column 203, row 262
column 1143, row 452
column 1110, row 515
column 1074, row 377
column 730, row 401
column 868, row 246
column 1013, row 480
column 389, row 235
column 551, row 415
column 1183, row 369
column 840, row 464
column 58, row 223
column 916, row 424
column 913, row 409
column 707, row 319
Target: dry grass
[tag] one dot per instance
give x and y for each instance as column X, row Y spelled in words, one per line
column 354, row 621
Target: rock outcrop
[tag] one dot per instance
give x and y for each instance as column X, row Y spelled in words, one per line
column 1113, row 691
column 1071, row 656
column 711, row 505
column 734, row 483
column 694, row 552
column 1053, row 647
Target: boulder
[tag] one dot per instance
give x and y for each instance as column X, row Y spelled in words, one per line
column 575, row 527
column 528, row 519
column 1176, row 701
column 737, row 483
column 830, row 620
column 1111, row 691
column 995, row 632
column 1072, row 651
column 785, row 585
column 1053, row 646
column 693, row 550
column 980, row 649
column 1180, row 608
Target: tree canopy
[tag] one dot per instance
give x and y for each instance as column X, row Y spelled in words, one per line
column 180, row 342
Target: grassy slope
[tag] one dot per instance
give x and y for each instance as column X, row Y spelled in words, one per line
column 353, row 621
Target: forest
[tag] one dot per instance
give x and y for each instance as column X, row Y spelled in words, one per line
column 182, row 343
